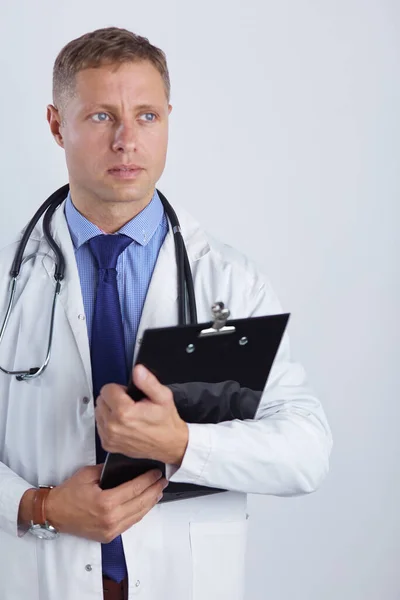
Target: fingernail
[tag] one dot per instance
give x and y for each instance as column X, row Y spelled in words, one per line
column 157, row 475
column 165, row 484
column 159, row 497
column 141, row 372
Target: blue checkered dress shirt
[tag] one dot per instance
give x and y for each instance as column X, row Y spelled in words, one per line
column 135, row 265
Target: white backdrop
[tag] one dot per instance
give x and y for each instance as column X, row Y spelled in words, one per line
column 284, row 143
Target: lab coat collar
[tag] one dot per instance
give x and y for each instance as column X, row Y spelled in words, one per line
column 195, row 239
column 161, row 304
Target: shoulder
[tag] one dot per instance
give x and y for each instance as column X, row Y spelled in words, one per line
column 7, row 255
column 8, row 251
column 201, row 243
column 229, row 269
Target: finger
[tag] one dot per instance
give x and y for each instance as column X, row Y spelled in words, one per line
column 102, row 405
column 112, row 395
column 102, row 415
column 134, row 510
column 102, row 420
column 150, row 386
column 131, row 489
column 91, row 473
column 100, row 426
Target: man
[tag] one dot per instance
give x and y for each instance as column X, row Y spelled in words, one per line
column 110, row 115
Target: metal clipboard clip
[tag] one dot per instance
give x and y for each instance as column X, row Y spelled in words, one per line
column 219, row 327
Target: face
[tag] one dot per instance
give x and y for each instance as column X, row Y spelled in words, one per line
column 118, row 116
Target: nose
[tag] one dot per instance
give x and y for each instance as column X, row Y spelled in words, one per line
column 125, row 139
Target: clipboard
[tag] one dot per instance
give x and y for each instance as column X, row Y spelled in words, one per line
column 217, row 372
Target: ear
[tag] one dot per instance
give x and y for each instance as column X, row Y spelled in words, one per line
column 54, row 120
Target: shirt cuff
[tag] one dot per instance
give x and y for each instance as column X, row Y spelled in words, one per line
column 196, row 458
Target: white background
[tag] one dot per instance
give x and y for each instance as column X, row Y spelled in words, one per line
column 284, row 143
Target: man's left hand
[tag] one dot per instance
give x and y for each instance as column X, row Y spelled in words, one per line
column 150, row 428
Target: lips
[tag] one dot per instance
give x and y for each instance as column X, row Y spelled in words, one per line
column 125, row 168
column 125, row 173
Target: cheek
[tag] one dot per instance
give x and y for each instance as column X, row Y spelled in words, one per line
column 84, row 149
column 157, row 149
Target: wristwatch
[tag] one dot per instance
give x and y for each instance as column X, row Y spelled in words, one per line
column 39, row 526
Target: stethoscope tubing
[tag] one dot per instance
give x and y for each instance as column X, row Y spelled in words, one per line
column 187, row 311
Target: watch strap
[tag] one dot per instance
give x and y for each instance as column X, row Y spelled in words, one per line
column 38, row 505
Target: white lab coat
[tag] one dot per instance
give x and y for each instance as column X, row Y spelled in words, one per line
column 187, row 550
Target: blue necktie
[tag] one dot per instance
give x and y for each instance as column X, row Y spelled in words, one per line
column 108, row 357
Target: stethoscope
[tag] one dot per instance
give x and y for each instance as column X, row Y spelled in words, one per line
column 187, row 312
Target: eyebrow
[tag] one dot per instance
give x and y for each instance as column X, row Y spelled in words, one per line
column 112, row 108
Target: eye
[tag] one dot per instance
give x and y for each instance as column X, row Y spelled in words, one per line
column 149, row 115
column 100, row 114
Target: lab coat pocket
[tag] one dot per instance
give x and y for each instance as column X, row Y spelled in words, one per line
column 218, row 558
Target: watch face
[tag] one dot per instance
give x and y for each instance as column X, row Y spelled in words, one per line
column 44, row 533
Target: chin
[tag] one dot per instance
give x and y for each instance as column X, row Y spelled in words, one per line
column 127, row 194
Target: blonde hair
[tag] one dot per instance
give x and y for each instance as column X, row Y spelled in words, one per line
column 107, row 46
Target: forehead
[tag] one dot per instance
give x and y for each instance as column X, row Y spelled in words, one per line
column 139, row 82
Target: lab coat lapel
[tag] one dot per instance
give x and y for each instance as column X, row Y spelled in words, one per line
column 161, row 305
column 71, row 293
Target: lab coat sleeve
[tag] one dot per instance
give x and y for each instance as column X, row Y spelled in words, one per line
column 12, row 488
column 283, row 451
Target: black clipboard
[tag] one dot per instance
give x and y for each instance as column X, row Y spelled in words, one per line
column 217, row 372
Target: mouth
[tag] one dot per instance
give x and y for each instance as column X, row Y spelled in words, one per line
column 125, row 172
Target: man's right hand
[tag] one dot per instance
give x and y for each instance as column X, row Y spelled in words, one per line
column 80, row 507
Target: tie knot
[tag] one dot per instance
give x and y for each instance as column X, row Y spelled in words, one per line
column 106, row 249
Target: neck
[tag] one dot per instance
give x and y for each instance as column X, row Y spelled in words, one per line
column 107, row 215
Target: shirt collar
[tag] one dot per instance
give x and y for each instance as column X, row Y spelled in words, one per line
column 141, row 228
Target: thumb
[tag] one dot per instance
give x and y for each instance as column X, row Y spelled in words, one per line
column 150, row 386
column 90, row 473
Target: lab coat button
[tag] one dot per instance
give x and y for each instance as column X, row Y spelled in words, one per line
column 81, row 317
column 137, row 584
column 88, row 567
column 85, row 400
